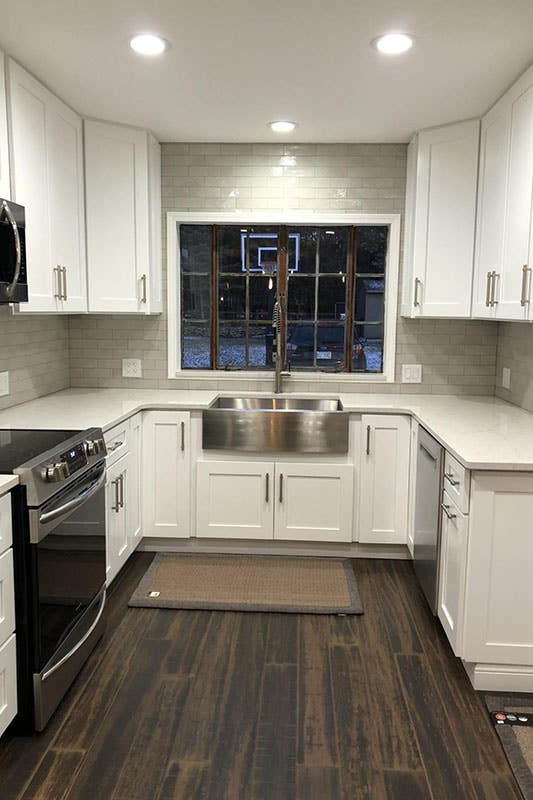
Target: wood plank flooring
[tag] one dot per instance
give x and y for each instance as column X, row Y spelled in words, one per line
column 192, row 705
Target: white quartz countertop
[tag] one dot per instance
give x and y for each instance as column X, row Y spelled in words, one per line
column 481, row 432
column 7, row 482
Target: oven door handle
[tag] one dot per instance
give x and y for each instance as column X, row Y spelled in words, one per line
column 70, row 505
column 6, row 211
column 79, row 644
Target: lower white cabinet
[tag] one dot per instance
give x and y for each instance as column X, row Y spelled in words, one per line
column 452, row 572
column 166, row 474
column 234, row 499
column 384, row 480
column 8, row 682
column 134, row 498
column 118, row 539
column 7, row 595
column 282, row 500
column 498, row 625
column 314, row 502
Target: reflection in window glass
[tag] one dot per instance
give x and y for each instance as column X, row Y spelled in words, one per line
column 371, row 249
column 369, row 299
column 231, row 346
column 367, row 350
column 301, row 297
column 332, row 297
column 231, row 297
column 196, row 346
column 195, row 248
column 260, row 346
column 196, row 297
column 333, row 250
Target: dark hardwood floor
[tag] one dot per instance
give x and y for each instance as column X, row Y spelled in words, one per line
column 213, row 706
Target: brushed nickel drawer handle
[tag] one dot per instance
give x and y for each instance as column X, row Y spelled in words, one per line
column 112, row 447
column 449, row 477
column 116, row 507
column 446, row 510
column 267, row 488
column 121, row 479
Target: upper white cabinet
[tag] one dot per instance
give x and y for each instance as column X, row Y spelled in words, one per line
column 442, row 170
column 47, row 178
column 504, row 247
column 384, row 480
column 166, row 474
column 5, row 186
column 123, row 195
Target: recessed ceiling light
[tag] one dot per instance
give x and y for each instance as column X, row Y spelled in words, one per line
column 148, row 44
column 393, row 44
column 282, row 126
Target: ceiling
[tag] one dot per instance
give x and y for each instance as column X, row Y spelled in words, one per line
column 234, row 65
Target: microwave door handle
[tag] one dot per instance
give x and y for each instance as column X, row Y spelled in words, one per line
column 70, row 505
column 6, row 211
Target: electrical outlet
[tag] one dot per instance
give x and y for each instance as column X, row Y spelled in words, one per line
column 132, row 368
column 4, row 383
column 411, row 373
column 506, row 378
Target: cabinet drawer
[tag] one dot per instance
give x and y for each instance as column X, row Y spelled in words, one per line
column 457, row 482
column 7, row 596
column 6, row 535
column 8, row 683
column 117, row 441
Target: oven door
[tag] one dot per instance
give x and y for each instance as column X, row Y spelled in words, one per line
column 68, row 539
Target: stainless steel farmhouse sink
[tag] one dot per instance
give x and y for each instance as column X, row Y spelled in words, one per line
column 275, row 424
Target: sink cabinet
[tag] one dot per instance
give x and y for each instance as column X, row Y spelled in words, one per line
column 275, row 500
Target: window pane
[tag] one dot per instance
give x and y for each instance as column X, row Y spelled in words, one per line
column 367, row 352
column 302, row 250
column 260, row 345
column 196, row 344
column 332, row 297
column 371, row 248
column 330, row 346
column 300, row 345
column 262, row 297
column 196, row 297
column 334, row 249
column 301, row 298
column 232, row 346
column 195, row 248
column 231, row 243
column 369, row 299
column 263, row 250
column 231, row 297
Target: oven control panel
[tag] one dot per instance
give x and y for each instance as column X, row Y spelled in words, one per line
column 67, row 464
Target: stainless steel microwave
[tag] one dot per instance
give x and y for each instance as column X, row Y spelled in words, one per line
column 13, row 277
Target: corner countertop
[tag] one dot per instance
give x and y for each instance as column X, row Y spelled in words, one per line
column 481, row 432
column 7, row 482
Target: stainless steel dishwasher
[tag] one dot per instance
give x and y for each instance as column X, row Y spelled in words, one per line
column 429, row 468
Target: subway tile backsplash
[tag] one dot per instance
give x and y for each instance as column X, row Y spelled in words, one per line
column 515, row 351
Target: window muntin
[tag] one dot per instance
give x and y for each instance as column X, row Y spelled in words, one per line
column 334, row 280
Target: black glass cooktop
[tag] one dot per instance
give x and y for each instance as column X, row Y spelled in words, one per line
column 19, row 446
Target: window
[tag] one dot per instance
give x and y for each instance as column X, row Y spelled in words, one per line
column 332, row 280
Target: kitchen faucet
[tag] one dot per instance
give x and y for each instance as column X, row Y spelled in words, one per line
column 279, row 373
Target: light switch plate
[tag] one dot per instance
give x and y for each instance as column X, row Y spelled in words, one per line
column 4, row 383
column 132, row 368
column 411, row 373
column 506, row 378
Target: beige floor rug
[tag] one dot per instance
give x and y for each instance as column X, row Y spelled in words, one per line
column 299, row 585
column 512, row 716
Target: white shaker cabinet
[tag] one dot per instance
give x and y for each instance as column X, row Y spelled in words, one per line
column 117, row 533
column 313, row 502
column 166, row 474
column 235, row 499
column 47, row 178
column 134, row 520
column 123, row 195
column 452, row 571
column 384, row 479
column 440, row 221
column 504, row 249
column 5, row 186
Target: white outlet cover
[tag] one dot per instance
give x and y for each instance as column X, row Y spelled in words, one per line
column 132, row 368
column 4, row 383
column 506, row 378
column 411, row 373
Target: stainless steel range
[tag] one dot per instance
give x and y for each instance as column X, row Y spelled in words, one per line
column 60, row 560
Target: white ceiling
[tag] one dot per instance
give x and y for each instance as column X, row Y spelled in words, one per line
column 236, row 64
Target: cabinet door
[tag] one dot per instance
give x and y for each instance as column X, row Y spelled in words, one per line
column 492, row 204
column 235, row 499
column 28, row 99
column 384, row 483
column 444, row 219
column 117, row 538
column 8, row 682
column 166, row 474
column 512, row 284
column 134, row 503
column 116, row 173
column 155, row 288
column 314, row 502
column 67, row 212
column 452, row 570
column 499, row 584
column 5, row 186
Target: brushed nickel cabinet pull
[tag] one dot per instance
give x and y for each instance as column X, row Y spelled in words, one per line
column 487, row 293
column 446, row 510
column 267, row 488
column 281, row 488
column 368, row 440
column 493, row 300
column 112, row 447
column 416, row 300
column 143, row 289
column 449, row 477
column 116, row 507
column 64, row 273
column 121, row 479
column 182, row 437
column 524, row 299
column 58, row 294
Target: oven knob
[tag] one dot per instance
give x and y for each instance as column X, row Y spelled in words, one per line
column 53, row 473
column 95, row 446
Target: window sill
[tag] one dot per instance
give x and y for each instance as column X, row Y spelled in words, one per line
column 295, row 377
